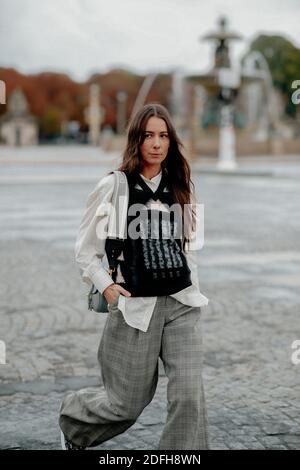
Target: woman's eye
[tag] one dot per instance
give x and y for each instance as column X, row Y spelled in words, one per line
column 163, row 136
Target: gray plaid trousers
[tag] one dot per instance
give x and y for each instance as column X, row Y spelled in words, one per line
column 128, row 359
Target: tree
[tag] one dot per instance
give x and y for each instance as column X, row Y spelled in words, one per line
column 51, row 122
column 284, row 61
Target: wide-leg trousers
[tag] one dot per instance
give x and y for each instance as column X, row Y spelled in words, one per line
column 128, row 359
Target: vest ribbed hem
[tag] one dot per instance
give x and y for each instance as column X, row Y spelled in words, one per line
column 154, row 291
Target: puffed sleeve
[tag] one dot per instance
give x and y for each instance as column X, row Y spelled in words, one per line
column 90, row 241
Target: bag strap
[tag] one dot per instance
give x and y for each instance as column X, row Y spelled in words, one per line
column 117, row 224
column 118, row 216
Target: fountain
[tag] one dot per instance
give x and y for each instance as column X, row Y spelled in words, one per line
column 222, row 82
column 256, row 66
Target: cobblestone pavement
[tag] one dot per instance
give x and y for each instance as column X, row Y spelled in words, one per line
column 249, row 269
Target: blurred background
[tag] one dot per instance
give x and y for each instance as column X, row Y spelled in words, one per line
column 75, row 71
column 72, row 73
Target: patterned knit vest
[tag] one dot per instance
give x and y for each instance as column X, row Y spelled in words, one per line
column 154, row 263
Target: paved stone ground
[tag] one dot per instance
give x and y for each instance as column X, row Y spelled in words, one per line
column 249, row 269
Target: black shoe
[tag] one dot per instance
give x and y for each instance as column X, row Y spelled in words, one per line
column 68, row 445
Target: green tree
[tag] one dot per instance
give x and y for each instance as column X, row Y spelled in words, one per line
column 51, row 122
column 284, row 61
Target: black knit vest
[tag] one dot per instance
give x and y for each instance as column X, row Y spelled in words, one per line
column 156, row 265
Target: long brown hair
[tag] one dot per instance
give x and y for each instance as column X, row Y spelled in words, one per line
column 175, row 164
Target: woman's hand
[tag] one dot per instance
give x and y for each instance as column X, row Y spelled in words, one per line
column 112, row 293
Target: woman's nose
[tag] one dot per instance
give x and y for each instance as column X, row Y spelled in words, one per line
column 156, row 142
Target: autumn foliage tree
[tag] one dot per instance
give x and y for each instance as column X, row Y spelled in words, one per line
column 55, row 98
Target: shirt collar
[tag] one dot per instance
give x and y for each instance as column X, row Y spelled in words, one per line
column 156, row 179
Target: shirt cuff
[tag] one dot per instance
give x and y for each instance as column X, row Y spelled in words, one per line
column 101, row 280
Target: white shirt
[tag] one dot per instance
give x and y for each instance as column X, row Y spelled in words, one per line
column 93, row 264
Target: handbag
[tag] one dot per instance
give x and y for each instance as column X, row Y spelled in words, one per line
column 96, row 300
column 114, row 242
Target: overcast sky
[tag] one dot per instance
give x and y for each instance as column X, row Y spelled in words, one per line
column 80, row 37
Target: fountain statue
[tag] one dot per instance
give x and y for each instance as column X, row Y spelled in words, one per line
column 222, row 83
column 221, row 93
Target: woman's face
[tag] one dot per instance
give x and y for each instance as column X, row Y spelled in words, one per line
column 155, row 147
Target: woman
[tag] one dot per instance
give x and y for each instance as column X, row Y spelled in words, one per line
column 154, row 303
